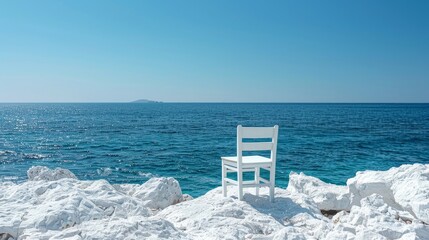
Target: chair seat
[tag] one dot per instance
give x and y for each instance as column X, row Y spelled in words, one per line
column 246, row 160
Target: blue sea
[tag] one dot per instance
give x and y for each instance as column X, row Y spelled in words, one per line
column 130, row 143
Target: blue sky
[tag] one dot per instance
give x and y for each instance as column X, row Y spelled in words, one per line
column 214, row 51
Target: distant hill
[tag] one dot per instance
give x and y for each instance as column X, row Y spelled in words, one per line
column 145, row 101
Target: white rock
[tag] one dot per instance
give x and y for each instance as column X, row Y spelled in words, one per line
column 365, row 234
column 367, row 183
column 186, row 197
column 404, row 188
column 135, row 227
column 375, row 219
column 290, row 233
column 37, row 173
column 343, row 235
column 214, row 217
column 156, row 193
column 410, row 187
column 55, row 205
column 326, row 196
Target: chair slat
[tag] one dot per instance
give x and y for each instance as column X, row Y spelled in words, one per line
column 264, row 180
column 230, row 180
column 256, row 185
column 256, row 146
column 257, row 132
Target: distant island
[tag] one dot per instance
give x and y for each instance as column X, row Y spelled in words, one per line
column 145, row 101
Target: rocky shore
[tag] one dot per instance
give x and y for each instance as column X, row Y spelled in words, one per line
column 54, row 204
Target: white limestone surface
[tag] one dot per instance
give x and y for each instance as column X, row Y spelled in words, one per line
column 377, row 205
column 214, row 217
column 326, row 196
column 156, row 193
column 52, row 204
column 405, row 187
column 134, row 227
column 374, row 219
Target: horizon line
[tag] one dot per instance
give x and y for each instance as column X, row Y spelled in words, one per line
column 214, row 102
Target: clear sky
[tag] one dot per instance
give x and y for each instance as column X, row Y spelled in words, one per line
column 214, row 51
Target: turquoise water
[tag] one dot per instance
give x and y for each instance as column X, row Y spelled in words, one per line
column 129, row 143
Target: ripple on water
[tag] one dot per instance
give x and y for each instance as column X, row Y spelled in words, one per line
column 34, row 156
column 7, row 152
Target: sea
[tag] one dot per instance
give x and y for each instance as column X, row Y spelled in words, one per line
column 132, row 142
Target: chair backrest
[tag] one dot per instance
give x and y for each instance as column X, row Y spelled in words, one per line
column 257, row 133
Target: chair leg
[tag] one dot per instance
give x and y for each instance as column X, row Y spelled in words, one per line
column 240, row 184
column 224, row 187
column 257, row 180
column 272, row 183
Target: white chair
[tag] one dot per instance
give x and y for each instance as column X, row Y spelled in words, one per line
column 240, row 163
